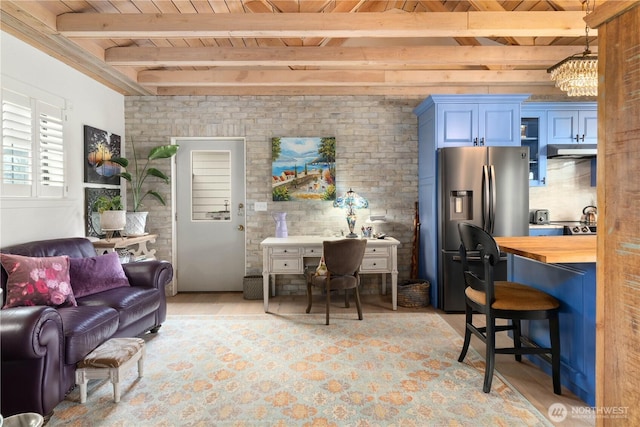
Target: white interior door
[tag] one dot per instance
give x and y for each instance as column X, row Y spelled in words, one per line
column 210, row 210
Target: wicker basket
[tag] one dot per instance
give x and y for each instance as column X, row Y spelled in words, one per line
column 252, row 287
column 413, row 293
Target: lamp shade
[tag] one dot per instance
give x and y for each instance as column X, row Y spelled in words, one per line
column 351, row 200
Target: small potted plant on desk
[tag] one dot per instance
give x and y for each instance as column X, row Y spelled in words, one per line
column 112, row 213
column 136, row 172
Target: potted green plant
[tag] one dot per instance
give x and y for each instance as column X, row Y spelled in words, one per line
column 136, row 173
column 112, row 213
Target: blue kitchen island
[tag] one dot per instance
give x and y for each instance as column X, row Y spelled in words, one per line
column 565, row 267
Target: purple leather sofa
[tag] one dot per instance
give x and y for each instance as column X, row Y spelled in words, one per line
column 40, row 345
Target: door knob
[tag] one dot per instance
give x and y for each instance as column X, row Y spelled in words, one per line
column 241, row 227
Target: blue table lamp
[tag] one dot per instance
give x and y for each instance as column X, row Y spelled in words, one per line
column 351, row 201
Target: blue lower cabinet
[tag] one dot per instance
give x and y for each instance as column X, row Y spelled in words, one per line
column 574, row 285
column 542, row 231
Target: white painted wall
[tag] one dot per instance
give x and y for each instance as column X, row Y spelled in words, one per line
column 87, row 103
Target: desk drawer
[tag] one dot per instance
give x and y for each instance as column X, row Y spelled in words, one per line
column 377, row 251
column 313, row 252
column 286, row 251
column 374, row 264
column 286, row 265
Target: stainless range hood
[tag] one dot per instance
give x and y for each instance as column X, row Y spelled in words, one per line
column 571, row 151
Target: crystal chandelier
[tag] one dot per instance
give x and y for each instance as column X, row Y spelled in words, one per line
column 578, row 74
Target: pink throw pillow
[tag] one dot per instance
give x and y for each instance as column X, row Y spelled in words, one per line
column 37, row 281
column 91, row 275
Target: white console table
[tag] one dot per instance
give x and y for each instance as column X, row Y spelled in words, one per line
column 136, row 246
column 285, row 255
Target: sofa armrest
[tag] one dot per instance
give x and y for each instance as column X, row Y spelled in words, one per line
column 32, row 360
column 149, row 274
column 30, row 332
column 154, row 274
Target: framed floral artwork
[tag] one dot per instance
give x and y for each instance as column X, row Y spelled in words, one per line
column 303, row 168
column 99, row 147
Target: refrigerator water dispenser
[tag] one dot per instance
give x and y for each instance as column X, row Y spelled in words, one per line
column 461, row 205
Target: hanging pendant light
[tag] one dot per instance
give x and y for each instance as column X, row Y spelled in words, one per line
column 578, row 74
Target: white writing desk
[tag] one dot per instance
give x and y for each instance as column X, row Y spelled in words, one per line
column 285, row 255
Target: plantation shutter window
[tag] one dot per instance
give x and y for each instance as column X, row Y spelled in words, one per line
column 210, row 185
column 51, row 151
column 17, row 145
column 33, row 157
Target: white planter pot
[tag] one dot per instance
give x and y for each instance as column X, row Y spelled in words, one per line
column 113, row 220
column 136, row 223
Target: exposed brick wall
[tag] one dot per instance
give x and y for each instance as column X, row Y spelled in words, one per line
column 376, row 155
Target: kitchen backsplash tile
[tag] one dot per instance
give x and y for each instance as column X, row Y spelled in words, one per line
column 568, row 189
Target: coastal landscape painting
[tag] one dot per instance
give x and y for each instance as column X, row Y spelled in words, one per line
column 303, row 168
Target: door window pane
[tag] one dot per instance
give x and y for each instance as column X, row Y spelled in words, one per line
column 211, row 185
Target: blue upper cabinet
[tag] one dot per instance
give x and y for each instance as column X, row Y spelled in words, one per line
column 546, row 123
column 499, row 124
column 468, row 120
column 533, row 135
column 575, row 123
column 457, row 125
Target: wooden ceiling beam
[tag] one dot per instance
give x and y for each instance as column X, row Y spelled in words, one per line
column 225, row 77
column 436, row 6
column 348, row 25
column 403, row 57
column 547, row 92
column 29, row 25
column 494, row 6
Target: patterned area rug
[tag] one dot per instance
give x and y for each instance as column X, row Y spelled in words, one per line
column 292, row 370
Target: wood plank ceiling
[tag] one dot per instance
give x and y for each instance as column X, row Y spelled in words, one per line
column 323, row 47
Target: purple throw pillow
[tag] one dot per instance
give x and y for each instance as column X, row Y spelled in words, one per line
column 96, row 274
column 37, row 281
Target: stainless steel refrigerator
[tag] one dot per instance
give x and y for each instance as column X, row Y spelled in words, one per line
column 488, row 187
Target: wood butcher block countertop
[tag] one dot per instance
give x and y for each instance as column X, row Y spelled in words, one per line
column 551, row 249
